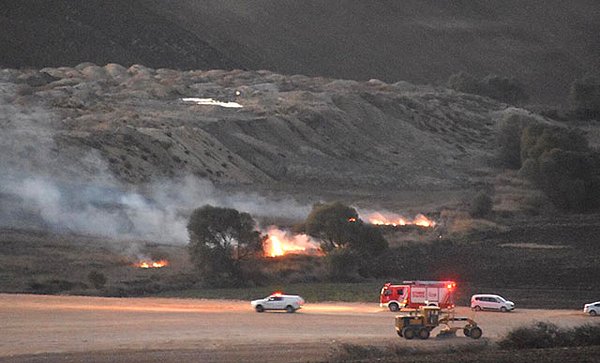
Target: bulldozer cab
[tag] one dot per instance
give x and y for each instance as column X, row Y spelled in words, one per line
column 431, row 314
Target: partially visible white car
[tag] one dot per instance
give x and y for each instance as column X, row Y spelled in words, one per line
column 289, row 303
column 593, row 308
column 491, row 302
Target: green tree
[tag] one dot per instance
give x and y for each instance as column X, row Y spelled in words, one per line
column 561, row 163
column 338, row 226
column 331, row 223
column 220, row 239
column 570, row 179
column 539, row 138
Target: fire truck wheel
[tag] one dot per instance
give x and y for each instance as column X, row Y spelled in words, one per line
column 290, row 309
column 423, row 333
column 475, row 333
column 259, row 308
column 408, row 333
column 393, row 307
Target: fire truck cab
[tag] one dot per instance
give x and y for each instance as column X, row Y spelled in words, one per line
column 412, row 294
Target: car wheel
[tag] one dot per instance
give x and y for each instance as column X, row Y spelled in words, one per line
column 477, row 308
column 475, row 333
column 408, row 333
column 467, row 331
column 394, row 307
column 503, row 309
column 290, row 309
column 423, row 333
column 593, row 313
column 259, row 308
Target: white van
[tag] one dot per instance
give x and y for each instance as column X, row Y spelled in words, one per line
column 491, row 302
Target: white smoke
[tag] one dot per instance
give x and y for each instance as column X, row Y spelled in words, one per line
column 41, row 186
column 159, row 214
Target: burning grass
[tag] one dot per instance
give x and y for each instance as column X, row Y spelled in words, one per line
column 280, row 243
column 396, row 220
column 151, row 264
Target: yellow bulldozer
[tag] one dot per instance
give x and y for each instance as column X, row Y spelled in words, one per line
column 419, row 323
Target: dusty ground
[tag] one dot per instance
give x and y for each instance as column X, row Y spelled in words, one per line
column 70, row 328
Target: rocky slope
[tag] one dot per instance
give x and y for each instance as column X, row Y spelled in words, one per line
column 291, row 131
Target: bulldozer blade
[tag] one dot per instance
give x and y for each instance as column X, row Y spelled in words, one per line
column 446, row 333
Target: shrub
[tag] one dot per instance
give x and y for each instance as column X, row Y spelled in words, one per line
column 342, row 265
column 360, row 353
column 97, row 279
column 538, row 335
column 508, row 139
column 547, row 335
column 464, row 82
column 586, row 334
column 585, row 97
column 508, row 90
column 51, row 286
column 503, row 89
column 481, row 205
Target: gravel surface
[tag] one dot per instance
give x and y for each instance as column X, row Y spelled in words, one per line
column 73, row 328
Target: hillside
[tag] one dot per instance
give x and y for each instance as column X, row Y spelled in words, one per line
column 81, row 144
column 291, row 131
column 545, row 44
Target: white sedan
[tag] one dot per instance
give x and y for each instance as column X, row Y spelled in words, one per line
column 593, row 308
column 277, row 301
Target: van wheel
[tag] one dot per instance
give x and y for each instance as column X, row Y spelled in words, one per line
column 290, row 309
column 477, row 308
column 408, row 333
column 503, row 309
column 475, row 333
column 423, row 333
column 394, row 307
column 259, row 308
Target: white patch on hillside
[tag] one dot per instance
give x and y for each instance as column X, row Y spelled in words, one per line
column 212, row 102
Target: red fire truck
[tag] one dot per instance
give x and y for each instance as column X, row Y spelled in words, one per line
column 412, row 294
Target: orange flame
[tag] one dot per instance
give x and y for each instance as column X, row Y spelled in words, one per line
column 151, row 264
column 393, row 219
column 281, row 243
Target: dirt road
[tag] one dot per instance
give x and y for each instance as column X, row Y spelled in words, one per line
column 36, row 328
